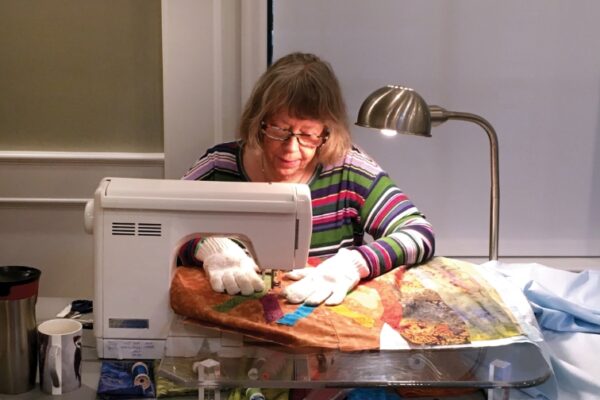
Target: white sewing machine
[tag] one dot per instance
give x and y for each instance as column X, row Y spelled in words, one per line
column 138, row 226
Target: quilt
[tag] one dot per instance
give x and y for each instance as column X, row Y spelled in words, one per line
column 442, row 302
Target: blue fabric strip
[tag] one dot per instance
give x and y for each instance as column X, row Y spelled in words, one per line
column 290, row 319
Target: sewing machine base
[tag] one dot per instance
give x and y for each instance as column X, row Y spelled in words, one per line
column 243, row 362
column 515, row 365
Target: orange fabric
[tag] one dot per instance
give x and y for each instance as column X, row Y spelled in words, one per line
column 440, row 302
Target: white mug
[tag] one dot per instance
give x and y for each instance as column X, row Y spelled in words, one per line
column 60, row 355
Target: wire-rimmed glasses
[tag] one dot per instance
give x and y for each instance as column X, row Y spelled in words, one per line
column 305, row 139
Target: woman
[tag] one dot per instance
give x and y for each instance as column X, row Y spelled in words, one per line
column 294, row 129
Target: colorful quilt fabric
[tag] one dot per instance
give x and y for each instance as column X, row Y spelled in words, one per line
column 442, row 302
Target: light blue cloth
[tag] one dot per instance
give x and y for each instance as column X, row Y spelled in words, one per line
column 562, row 311
column 567, row 307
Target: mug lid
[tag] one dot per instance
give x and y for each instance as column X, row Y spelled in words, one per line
column 16, row 275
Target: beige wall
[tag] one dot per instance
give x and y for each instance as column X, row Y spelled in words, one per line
column 81, row 75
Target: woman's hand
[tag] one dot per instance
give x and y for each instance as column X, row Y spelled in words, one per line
column 228, row 267
column 330, row 281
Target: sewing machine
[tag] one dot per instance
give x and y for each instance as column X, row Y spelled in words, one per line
column 138, row 227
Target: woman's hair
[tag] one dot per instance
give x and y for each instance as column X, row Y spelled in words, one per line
column 305, row 87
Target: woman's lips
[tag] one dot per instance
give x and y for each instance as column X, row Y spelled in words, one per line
column 289, row 163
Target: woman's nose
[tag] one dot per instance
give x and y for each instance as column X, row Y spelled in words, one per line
column 292, row 143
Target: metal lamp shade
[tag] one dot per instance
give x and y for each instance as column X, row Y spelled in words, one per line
column 396, row 108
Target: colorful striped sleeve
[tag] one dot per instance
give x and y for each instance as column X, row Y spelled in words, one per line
column 403, row 235
column 356, row 197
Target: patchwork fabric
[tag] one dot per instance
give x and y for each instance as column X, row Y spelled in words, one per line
column 441, row 302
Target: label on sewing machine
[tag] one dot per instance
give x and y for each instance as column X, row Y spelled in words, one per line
column 138, row 349
column 129, row 323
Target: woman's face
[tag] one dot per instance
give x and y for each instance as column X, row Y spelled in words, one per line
column 289, row 161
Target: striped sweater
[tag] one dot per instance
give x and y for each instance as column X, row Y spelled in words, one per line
column 349, row 198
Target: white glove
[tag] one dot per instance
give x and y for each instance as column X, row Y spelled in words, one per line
column 228, row 267
column 330, row 281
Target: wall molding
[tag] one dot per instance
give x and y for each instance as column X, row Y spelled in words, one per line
column 41, row 201
column 88, row 157
column 46, row 179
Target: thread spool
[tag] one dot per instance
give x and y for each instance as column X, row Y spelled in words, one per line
column 256, row 367
column 254, row 394
column 139, row 370
column 261, row 369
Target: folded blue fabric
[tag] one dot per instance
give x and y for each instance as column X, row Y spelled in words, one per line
column 567, row 310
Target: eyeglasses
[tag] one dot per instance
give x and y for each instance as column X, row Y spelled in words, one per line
column 310, row 140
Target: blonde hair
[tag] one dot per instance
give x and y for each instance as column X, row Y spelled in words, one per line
column 305, row 87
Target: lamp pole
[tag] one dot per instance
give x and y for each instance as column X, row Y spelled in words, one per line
column 440, row 115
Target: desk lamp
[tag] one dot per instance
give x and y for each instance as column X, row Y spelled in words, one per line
column 396, row 109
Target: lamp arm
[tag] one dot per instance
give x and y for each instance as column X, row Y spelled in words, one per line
column 440, row 115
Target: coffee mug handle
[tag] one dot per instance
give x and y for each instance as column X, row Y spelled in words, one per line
column 54, row 364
